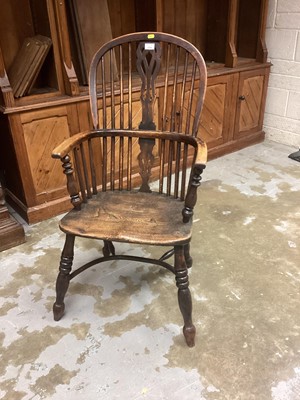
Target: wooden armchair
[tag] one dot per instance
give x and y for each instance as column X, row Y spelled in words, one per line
column 146, row 96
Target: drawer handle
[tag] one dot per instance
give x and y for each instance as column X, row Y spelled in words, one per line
column 242, row 97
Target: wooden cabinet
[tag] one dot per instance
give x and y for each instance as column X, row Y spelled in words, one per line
column 229, row 33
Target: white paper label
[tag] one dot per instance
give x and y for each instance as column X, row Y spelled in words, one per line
column 149, row 46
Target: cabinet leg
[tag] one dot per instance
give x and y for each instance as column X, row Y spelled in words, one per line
column 184, row 295
column 63, row 279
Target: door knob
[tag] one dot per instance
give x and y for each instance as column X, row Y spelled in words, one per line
column 242, row 97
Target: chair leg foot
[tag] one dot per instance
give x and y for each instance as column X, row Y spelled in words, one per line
column 63, row 279
column 58, row 311
column 189, row 334
column 184, row 295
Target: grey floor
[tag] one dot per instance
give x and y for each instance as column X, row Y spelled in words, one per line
column 121, row 336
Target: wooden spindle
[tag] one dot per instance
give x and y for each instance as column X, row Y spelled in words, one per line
column 92, row 166
column 103, row 93
column 104, row 164
column 190, row 101
column 129, row 86
column 129, row 163
column 80, row 175
column 183, row 89
column 177, row 169
column 121, row 87
column 112, row 162
column 121, row 163
column 174, row 91
column 85, row 172
column 162, row 165
column 170, row 162
column 112, row 91
column 196, row 122
column 165, row 96
column 184, row 167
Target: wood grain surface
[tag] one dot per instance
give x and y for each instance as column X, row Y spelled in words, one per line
column 133, row 217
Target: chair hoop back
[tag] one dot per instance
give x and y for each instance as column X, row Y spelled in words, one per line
column 159, row 68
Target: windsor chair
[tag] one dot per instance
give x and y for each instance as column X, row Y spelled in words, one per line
column 146, row 97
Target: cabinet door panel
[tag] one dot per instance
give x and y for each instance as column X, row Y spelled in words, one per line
column 251, row 99
column 250, row 107
column 42, row 132
column 218, row 113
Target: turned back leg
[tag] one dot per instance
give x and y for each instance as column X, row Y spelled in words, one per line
column 63, row 279
column 184, row 295
column 108, row 248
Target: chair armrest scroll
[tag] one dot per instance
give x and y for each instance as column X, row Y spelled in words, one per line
column 68, row 144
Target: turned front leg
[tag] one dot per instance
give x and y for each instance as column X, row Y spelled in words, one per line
column 184, row 295
column 63, row 279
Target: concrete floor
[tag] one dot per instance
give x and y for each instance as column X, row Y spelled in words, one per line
column 121, row 335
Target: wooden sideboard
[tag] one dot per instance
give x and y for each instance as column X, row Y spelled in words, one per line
column 229, row 34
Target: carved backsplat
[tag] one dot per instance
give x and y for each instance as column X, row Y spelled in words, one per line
column 146, row 159
column 148, row 65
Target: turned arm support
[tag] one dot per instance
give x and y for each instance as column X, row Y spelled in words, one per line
column 62, row 152
column 191, row 196
column 72, row 185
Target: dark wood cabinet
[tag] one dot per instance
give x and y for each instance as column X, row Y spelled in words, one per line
column 229, row 33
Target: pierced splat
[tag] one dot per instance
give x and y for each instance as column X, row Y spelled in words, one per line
column 146, row 159
column 148, row 65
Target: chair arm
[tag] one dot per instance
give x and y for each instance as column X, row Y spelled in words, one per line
column 195, row 181
column 62, row 152
column 68, row 144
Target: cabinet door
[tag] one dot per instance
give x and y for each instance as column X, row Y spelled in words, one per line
column 251, row 102
column 43, row 130
column 217, row 118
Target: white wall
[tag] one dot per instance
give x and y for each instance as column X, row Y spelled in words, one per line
column 282, row 116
